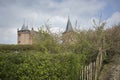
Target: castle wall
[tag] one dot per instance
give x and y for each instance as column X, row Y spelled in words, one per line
column 69, row 38
column 24, row 38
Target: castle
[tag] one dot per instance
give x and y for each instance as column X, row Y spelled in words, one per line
column 25, row 36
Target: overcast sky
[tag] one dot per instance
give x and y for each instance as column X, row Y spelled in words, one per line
column 37, row 12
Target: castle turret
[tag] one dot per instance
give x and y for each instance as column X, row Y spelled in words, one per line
column 24, row 35
column 69, row 26
column 68, row 36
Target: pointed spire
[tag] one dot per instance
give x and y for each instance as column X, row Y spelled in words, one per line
column 26, row 28
column 23, row 27
column 69, row 26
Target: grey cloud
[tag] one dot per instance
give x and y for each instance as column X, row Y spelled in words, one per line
column 36, row 13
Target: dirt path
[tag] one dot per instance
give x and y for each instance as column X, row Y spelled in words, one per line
column 111, row 71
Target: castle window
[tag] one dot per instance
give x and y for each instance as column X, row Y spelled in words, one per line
column 18, row 41
column 19, row 34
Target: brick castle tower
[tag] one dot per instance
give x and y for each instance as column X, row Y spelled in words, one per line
column 24, row 36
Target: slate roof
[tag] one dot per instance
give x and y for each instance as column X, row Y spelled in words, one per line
column 69, row 26
column 24, row 27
